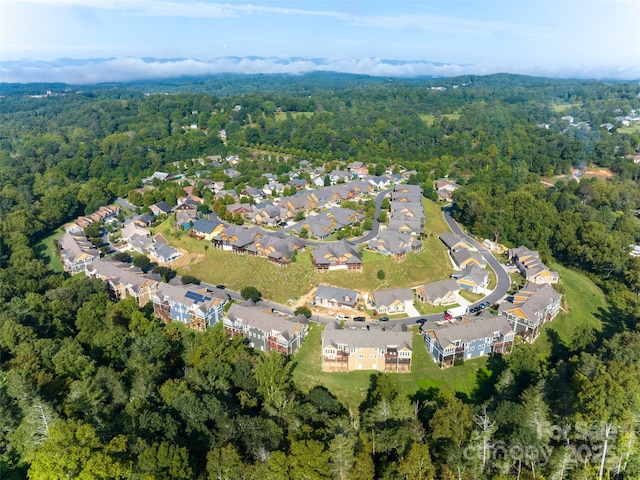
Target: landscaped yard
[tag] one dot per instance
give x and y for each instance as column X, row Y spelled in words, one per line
column 46, row 250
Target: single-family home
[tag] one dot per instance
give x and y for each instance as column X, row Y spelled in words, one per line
column 334, row 297
column 394, row 244
column 487, row 335
column 453, row 241
column 385, row 350
column 265, row 330
column 164, row 253
column 341, row 255
column 464, row 258
column 391, row 301
column 160, row 208
column 444, row 292
column 473, row 278
column 206, row 229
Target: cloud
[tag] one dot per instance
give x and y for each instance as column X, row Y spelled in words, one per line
column 84, row 72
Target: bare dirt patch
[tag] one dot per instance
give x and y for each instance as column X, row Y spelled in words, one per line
column 187, row 259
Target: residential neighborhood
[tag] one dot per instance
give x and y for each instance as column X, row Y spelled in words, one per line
column 270, row 231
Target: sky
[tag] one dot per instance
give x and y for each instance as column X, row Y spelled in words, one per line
column 559, row 38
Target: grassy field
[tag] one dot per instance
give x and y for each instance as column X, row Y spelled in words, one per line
column 299, row 278
column 581, row 303
column 429, row 118
column 630, row 129
column 563, row 107
column 351, row 388
column 46, row 249
column 283, row 115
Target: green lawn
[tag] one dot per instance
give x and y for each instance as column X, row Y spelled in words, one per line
column 563, row 107
column 284, row 283
column 46, row 250
column 429, row 118
column 630, row 129
column 281, row 116
column 351, row 388
column 581, row 303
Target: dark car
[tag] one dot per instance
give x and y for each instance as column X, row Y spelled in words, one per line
column 421, row 320
column 484, row 305
column 221, row 287
column 359, row 319
column 383, row 319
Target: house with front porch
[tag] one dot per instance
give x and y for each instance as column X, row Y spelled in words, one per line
column 473, row 278
column 384, row 350
column 444, row 292
column 394, row 244
column 531, row 267
column 391, row 301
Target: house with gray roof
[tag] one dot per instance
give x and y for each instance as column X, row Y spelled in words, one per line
column 164, row 253
column 334, row 297
column 160, row 208
column 197, row 308
column 385, row 350
column 530, row 308
column 394, row 244
column 454, row 241
column 473, row 278
column 482, row 336
column 408, row 225
column 391, row 301
column 76, row 252
column 444, row 292
column 264, row 329
column 236, row 239
column 531, row 267
column 341, row 255
column 123, row 280
column 464, row 258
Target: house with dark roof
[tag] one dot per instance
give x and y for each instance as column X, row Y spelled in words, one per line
column 531, row 267
column 206, row 229
column 334, row 297
column 444, row 292
column 408, row 225
column 530, row 308
column 265, row 330
column 394, row 244
column 236, row 239
column 384, row 350
column 391, row 301
column 197, row 308
column 482, row 336
column 341, row 255
column 160, row 208
column 276, row 247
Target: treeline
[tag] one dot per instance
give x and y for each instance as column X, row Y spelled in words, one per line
column 95, row 389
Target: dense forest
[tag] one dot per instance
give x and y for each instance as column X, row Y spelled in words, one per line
column 90, row 388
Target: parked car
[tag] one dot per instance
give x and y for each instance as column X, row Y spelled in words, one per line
column 484, row 305
column 359, row 319
column 421, row 320
column 340, row 318
column 383, row 319
column 221, row 287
